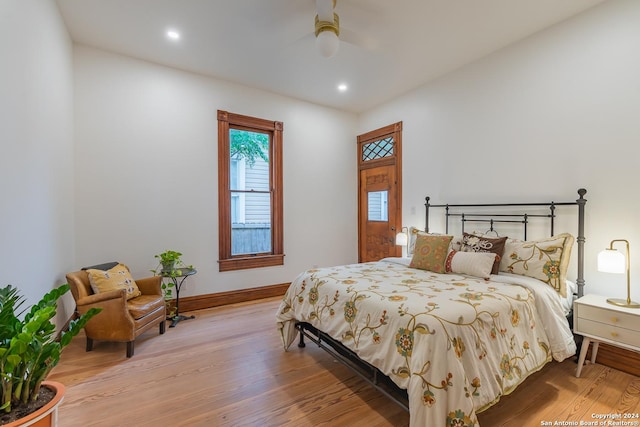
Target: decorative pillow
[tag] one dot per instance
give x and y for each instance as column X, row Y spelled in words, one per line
column 546, row 260
column 413, row 235
column 478, row 243
column 455, row 244
column 478, row 264
column 117, row 277
column 430, row 252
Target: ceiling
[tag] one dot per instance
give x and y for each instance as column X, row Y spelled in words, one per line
column 269, row 44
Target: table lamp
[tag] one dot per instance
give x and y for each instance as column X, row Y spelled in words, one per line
column 612, row 261
column 402, row 238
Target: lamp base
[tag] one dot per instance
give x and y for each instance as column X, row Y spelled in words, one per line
column 623, row 303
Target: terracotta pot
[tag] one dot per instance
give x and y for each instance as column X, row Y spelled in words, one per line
column 47, row 416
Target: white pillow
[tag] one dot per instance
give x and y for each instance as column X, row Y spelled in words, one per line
column 478, row 264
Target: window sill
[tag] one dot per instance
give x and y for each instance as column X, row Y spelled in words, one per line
column 259, row 261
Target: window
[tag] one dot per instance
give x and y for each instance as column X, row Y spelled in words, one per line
column 378, row 205
column 249, row 192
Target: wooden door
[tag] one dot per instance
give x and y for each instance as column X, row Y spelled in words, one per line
column 379, row 193
column 377, row 213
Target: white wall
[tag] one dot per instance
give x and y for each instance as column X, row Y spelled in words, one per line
column 146, row 171
column 553, row 113
column 36, row 137
column 536, row 121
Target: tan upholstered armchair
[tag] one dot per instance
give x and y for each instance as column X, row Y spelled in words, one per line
column 121, row 319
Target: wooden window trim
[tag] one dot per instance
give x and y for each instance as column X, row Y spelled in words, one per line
column 228, row 262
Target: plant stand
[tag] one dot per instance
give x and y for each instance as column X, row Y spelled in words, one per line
column 178, row 280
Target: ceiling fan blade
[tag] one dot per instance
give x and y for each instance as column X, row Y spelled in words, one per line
column 358, row 40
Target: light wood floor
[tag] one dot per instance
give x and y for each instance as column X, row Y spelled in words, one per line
column 227, row 367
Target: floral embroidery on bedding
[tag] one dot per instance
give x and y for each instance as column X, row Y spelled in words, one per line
column 546, row 260
column 449, row 342
column 368, row 329
column 459, row 419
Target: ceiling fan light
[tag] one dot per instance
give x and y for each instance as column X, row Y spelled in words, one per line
column 327, row 43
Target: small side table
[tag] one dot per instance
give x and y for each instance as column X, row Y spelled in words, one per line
column 598, row 321
column 178, row 280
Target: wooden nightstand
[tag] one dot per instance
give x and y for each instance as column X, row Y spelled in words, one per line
column 598, row 321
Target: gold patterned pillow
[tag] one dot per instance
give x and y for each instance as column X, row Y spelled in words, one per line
column 117, row 277
column 546, row 260
column 430, row 252
column 414, row 232
column 413, row 235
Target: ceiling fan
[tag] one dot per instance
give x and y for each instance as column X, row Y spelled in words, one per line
column 327, row 28
column 329, row 34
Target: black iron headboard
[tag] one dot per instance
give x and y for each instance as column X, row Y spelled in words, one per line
column 521, row 217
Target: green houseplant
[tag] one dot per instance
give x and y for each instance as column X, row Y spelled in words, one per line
column 168, row 260
column 29, row 349
column 169, row 264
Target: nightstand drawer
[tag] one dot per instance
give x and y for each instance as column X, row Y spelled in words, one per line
column 608, row 332
column 610, row 317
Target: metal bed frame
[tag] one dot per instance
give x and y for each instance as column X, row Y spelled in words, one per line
column 452, row 210
column 373, row 375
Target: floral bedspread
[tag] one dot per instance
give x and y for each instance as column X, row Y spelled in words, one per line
column 455, row 343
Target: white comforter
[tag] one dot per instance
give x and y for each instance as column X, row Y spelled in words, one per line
column 455, row 343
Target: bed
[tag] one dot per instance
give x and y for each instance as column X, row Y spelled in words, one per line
column 439, row 331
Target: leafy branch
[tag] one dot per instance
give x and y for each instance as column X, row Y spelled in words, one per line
column 249, row 146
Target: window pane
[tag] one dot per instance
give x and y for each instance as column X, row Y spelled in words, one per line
column 252, row 234
column 250, row 212
column 378, row 206
column 378, row 149
column 249, row 152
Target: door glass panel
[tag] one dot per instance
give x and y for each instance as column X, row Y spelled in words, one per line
column 378, row 205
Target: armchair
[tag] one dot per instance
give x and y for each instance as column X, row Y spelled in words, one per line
column 121, row 319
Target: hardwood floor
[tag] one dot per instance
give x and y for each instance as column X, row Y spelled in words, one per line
column 227, row 367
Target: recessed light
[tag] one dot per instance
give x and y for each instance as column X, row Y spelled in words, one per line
column 173, row 34
column 342, row 87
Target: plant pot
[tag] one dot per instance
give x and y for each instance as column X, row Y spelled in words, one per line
column 167, row 267
column 47, row 416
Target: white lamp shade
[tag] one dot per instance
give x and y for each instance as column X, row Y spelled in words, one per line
column 611, row 261
column 402, row 239
column 327, row 43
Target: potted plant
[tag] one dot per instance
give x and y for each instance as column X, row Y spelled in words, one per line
column 170, row 263
column 29, row 351
column 168, row 260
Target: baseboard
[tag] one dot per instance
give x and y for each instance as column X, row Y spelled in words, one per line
column 200, row 302
column 618, row 358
